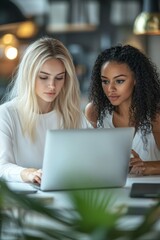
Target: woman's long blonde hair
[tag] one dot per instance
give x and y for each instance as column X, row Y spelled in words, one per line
column 67, row 103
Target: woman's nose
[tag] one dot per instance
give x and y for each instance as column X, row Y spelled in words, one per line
column 51, row 85
column 111, row 87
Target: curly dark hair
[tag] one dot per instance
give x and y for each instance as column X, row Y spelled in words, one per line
column 145, row 102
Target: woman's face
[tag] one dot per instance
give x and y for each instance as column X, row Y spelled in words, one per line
column 117, row 82
column 49, row 83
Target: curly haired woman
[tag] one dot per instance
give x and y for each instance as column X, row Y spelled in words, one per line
column 125, row 92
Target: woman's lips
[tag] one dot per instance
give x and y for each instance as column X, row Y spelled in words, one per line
column 50, row 93
column 113, row 98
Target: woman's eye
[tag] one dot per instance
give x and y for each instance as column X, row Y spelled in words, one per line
column 105, row 82
column 43, row 78
column 120, row 81
column 59, row 78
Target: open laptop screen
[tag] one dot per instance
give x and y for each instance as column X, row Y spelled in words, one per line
column 86, row 158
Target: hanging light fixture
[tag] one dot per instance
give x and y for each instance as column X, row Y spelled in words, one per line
column 12, row 19
column 148, row 21
column 10, row 14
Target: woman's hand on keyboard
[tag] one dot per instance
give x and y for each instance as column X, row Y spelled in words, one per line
column 31, row 175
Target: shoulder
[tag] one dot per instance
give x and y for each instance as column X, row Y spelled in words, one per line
column 156, row 129
column 7, row 109
column 84, row 122
column 156, row 122
column 91, row 113
column 8, row 105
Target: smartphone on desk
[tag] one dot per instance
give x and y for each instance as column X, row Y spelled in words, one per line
column 145, row 190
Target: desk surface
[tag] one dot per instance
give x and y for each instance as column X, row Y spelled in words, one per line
column 60, row 199
column 121, row 195
column 141, row 179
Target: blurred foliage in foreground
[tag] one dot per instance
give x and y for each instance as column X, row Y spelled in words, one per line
column 92, row 218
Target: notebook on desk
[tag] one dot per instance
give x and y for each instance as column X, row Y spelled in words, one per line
column 86, row 158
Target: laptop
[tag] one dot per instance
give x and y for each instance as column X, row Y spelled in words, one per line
column 86, row 158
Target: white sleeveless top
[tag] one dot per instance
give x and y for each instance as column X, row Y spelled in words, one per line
column 149, row 153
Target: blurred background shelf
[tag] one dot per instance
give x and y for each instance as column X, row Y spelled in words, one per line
column 86, row 27
column 74, row 27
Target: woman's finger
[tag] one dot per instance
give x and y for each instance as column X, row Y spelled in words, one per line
column 138, row 170
column 135, row 154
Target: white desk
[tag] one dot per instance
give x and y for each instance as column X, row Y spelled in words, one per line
column 121, row 195
column 150, row 179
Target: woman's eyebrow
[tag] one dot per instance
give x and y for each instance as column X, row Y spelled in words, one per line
column 120, row 75
column 103, row 77
column 50, row 74
column 61, row 73
column 45, row 73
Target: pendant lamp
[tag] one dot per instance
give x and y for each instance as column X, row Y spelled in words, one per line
column 10, row 13
column 12, row 19
column 148, row 21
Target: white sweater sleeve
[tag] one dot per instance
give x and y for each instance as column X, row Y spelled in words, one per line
column 9, row 170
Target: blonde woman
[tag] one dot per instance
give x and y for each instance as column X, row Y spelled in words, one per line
column 44, row 95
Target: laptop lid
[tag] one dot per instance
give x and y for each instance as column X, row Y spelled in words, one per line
column 86, row 158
